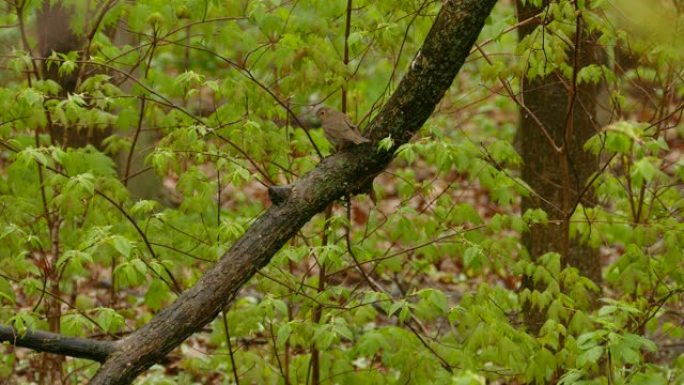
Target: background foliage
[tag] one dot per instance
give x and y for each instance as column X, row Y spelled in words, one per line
column 423, row 287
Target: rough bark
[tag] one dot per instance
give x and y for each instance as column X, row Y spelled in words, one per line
column 431, row 73
column 558, row 177
column 58, row 344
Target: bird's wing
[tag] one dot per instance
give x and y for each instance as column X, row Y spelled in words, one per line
column 349, row 123
column 353, row 135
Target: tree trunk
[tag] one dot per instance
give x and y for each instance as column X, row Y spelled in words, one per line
column 54, row 35
column 560, row 110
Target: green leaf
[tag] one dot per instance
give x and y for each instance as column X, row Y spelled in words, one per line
column 76, row 325
column 371, row 342
column 385, row 144
column 109, row 320
column 123, row 245
column 81, row 184
column 323, row 337
column 7, row 294
column 473, row 257
column 31, row 97
column 571, row 377
column 645, row 170
column 156, row 295
column 395, row 306
column 31, row 154
column 590, row 356
column 284, row 333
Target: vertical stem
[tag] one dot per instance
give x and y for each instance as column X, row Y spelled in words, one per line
column 24, row 40
column 186, row 56
column 640, row 203
column 565, row 206
column 53, row 308
column 276, row 356
column 318, row 310
column 345, row 59
column 287, row 346
column 112, row 288
column 236, row 378
column 626, row 163
column 568, row 137
column 129, row 160
column 91, row 35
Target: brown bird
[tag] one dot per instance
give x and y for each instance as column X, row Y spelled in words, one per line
column 338, row 129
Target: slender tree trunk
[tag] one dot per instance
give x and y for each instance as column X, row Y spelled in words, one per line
column 558, row 117
column 54, row 35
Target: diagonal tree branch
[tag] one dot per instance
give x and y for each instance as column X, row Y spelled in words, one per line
column 430, row 75
column 56, row 343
